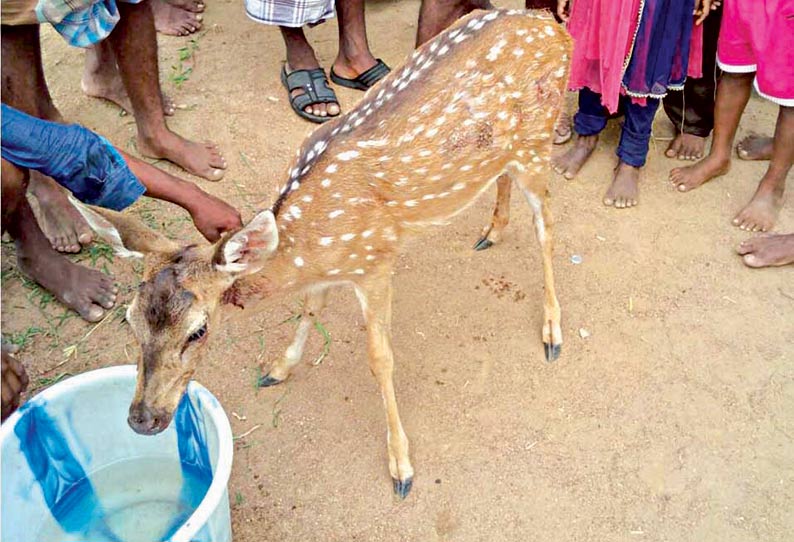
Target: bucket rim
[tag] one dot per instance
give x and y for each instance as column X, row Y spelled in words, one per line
column 223, row 467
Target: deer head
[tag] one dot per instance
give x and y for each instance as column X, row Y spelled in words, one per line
column 174, row 311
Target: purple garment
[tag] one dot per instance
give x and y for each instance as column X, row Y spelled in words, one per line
column 660, row 54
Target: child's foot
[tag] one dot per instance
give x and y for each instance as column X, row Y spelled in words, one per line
column 62, row 224
column 201, row 159
column 755, row 147
column 688, row 178
column 570, row 162
column 563, row 129
column 686, row 147
column 760, row 214
column 625, row 188
column 768, row 250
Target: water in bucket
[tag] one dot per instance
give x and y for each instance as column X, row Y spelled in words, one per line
column 73, row 470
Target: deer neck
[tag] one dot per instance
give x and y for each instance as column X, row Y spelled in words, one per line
column 290, row 269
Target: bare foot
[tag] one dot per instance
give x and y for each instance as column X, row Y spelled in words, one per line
column 569, row 163
column 755, row 147
column 686, row 147
column 87, row 291
column 625, row 188
column 768, row 250
column 760, row 214
column 690, row 177
column 201, row 159
column 61, row 223
column 173, row 20
column 107, row 85
column 563, row 130
column 196, row 6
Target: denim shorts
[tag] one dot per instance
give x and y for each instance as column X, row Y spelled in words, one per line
column 80, row 160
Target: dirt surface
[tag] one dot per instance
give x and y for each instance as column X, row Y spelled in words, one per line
column 673, row 420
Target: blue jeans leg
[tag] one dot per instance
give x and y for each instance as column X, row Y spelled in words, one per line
column 591, row 117
column 636, row 134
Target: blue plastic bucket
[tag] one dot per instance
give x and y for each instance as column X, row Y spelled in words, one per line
column 73, row 470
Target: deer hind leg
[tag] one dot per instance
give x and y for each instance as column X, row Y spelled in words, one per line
column 535, row 193
column 375, row 297
column 492, row 233
column 313, row 304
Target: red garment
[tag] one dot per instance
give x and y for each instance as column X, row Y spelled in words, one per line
column 604, row 33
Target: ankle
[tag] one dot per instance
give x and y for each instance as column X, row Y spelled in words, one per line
column 154, row 140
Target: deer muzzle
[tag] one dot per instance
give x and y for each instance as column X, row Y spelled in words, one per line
column 148, row 421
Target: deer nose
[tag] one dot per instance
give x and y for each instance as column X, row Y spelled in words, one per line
column 145, row 421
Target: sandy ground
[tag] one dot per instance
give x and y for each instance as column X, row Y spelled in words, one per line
column 672, row 421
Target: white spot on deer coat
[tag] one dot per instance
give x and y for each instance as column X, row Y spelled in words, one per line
column 410, row 203
column 326, row 241
column 348, row 155
column 373, row 143
column 548, row 30
column 325, row 183
column 458, row 186
column 299, row 262
column 333, row 272
column 295, row 185
column 366, row 233
column 334, row 214
column 295, row 211
column 348, row 237
column 331, row 169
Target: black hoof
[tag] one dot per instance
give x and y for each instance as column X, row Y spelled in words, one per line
column 483, row 244
column 552, row 351
column 403, row 487
column 267, row 381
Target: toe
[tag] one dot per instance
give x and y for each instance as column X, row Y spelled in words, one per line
column 751, row 260
column 91, row 312
column 215, row 175
column 85, row 237
column 333, row 109
column 745, row 247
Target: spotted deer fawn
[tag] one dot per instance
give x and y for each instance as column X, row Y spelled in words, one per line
column 473, row 107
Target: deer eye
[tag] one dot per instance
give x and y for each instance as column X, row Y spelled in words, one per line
column 198, row 334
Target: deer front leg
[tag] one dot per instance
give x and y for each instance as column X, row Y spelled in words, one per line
column 375, row 298
column 313, row 304
column 552, row 332
column 492, row 233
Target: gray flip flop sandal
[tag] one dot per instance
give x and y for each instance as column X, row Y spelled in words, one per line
column 366, row 79
column 315, row 89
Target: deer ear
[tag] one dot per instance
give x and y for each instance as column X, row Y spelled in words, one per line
column 247, row 250
column 128, row 236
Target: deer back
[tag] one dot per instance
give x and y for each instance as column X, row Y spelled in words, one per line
column 424, row 142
